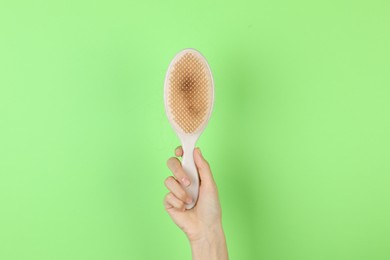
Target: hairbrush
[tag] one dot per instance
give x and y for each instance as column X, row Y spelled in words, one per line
column 188, row 99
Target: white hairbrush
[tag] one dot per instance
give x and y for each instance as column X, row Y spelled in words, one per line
column 188, row 99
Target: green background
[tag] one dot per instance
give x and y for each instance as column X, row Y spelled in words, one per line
column 298, row 140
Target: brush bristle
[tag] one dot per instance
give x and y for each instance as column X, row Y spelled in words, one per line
column 189, row 92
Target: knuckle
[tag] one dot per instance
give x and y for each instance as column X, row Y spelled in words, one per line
column 168, row 181
column 176, row 168
column 206, row 163
column 172, row 200
column 165, row 200
column 172, row 164
column 169, row 197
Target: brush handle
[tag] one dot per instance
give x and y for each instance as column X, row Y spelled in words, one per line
column 188, row 144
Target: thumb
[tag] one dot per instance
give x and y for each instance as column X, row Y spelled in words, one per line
column 203, row 167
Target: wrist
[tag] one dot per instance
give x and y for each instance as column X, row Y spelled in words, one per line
column 210, row 244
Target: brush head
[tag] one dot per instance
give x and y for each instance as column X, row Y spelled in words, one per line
column 189, row 92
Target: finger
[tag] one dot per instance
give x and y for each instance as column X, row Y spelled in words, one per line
column 203, row 167
column 177, row 190
column 170, row 201
column 175, row 166
column 179, row 151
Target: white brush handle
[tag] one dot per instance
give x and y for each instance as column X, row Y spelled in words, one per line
column 188, row 144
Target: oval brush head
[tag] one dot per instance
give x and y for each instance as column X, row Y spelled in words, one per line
column 188, row 98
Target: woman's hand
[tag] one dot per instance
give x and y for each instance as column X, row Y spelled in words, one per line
column 202, row 224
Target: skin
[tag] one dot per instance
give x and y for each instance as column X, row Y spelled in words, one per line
column 203, row 223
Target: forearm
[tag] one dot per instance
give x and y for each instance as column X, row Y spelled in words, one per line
column 210, row 247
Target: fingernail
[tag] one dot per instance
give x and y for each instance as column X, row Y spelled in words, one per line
column 189, row 200
column 186, row 182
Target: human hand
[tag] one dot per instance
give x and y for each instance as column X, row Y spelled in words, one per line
column 202, row 224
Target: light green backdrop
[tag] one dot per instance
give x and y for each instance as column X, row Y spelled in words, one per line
column 298, row 141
